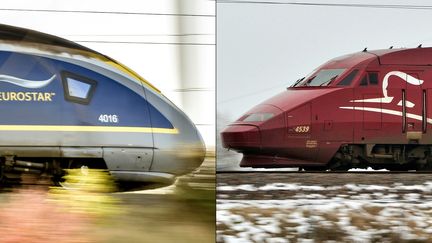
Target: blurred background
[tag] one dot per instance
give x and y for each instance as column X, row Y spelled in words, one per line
column 171, row 43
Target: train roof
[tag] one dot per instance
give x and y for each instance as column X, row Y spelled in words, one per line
column 17, row 34
column 405, row 56
column 13, row 33
column 401, row 56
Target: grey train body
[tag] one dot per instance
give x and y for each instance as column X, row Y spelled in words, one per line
column 74, row 130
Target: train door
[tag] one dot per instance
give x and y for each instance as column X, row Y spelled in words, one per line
column 368, row 101
column 394, row 103
column 427, row 103
column 413, row 112
column 403, row 101
column 394, row 92
column 299, row 126
column 106, row 118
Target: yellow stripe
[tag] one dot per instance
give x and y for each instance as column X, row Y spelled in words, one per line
column 87, row 129
column 130, row 72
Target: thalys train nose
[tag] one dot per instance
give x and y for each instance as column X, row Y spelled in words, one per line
column 241, row 137
column 260, row 127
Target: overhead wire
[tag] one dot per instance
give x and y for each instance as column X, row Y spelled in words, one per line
column 140, row 42
column 139, row 35
column 145, row 42
column 193, row 90
column 106, row 12
column 354, row 5
column 252, row 93
column 125, row 13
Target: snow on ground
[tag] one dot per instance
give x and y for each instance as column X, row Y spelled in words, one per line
column 426, row 187
column 347, row 213
column 368, row 169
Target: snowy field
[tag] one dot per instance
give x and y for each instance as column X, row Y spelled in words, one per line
column 333, row 212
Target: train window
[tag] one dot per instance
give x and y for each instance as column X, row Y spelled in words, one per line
column 324, row 77
column 258, row 117
column 310, row 80
column 364, row 81
column 369, row 79
column 78, row 89
column 373, row 78
column 349, row 78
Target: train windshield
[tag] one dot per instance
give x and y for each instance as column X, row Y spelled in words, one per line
column 324, row 77
column 258, row 117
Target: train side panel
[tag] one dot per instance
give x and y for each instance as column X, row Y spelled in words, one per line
column 331, row 127
column 78, row 107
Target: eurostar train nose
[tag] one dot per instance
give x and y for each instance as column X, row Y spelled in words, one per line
column 180, row 151
column 190, row 154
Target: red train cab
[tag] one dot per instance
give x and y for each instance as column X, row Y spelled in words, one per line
column 372, row 108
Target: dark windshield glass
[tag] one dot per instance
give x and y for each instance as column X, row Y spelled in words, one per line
column 349, row 78
column 323, row 78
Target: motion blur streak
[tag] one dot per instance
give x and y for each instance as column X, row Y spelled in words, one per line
column 87, row 211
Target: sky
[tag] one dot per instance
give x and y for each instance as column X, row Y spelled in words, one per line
column 264, row 48
column 184, row 73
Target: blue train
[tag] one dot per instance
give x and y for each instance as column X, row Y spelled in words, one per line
column 66, row 106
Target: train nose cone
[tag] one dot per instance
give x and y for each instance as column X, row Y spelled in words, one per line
column 194, row 152
column 179, row 154
column 190, row 154
column 241, row 137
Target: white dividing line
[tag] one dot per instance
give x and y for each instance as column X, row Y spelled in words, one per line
column 386, row 111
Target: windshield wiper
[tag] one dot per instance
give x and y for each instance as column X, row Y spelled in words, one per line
column 329, row 81
column 297, row 82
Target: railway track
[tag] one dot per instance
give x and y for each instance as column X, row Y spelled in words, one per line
column 382, row 178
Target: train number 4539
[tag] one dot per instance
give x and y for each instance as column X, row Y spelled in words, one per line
column 302, row 129
column 105, row 118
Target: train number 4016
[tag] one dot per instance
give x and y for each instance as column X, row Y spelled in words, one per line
column 105, row 118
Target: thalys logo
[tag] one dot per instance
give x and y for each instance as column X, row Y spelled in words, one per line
column 25, row 83
column 387, row 99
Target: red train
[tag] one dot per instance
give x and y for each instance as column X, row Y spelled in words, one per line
column 367, row 109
